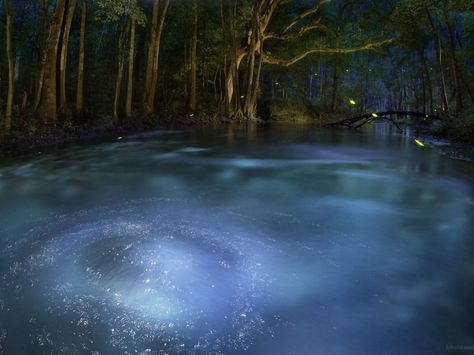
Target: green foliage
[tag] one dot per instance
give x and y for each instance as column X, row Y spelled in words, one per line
column 288, row 111
column 459, row 128
column 113, row 10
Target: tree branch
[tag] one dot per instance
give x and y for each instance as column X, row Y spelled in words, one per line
column 301, row 32
column 288, row 62
column 304, row 14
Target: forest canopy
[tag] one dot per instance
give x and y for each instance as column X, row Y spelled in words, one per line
column 82, row 62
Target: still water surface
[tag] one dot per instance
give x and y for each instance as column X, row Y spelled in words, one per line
column 276, row 240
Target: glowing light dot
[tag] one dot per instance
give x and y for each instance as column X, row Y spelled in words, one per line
column 420, row 143
column 352, row 102
column 119, row 138
column 375, row 115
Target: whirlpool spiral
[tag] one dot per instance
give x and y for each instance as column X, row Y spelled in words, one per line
column 148, row 274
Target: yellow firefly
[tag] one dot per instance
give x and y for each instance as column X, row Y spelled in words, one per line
column 119, row 138
column 352, row 102
column 420, row 143
column 375, row 115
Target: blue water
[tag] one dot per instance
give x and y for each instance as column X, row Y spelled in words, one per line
column 269, row 240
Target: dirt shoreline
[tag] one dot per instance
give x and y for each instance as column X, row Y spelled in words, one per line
column 19, row 145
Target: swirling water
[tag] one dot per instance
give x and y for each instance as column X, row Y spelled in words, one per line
column 276, row 240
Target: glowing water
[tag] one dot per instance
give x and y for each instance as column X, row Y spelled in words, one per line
column 276, row 241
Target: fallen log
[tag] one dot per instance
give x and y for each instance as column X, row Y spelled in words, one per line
column 367, row 117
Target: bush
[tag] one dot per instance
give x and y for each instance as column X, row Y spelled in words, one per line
column 285, row 111
column 459, row 128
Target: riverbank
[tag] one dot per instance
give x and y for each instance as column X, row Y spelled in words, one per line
column 453, row 136
column 442, row 138
column 21, row 142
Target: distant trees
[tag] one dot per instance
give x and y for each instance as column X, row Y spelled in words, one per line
column 116, row 11
column 420, row 19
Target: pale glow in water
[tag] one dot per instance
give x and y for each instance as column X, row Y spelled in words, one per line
column 286, row 242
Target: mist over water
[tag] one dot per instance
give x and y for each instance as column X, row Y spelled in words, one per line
column 276, row 240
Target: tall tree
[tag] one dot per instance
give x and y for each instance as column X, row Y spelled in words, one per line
column 115, row 11
column 11, row 67
column 70, row 8
column 258, row 32
column 80, row 69
column 41, row 54
column 154, row 44
column 120, row 65
column 131, row 57
column 192, row 101
column 47, row 108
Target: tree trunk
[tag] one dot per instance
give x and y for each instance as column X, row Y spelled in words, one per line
column 250, row 78
column 41, row 55
column 192, row 102
column 11, row 68
column 232, row 72
column 256, row 89
column 131, row 57
column 151, row 74
column 454, row 62
column 439, row 62
column 335, row 80
column 310, row 83
column 120, row 64
column 428, row 78
column 71, row 7
column 150, row 59
column 80, row 70
column 47, row 108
